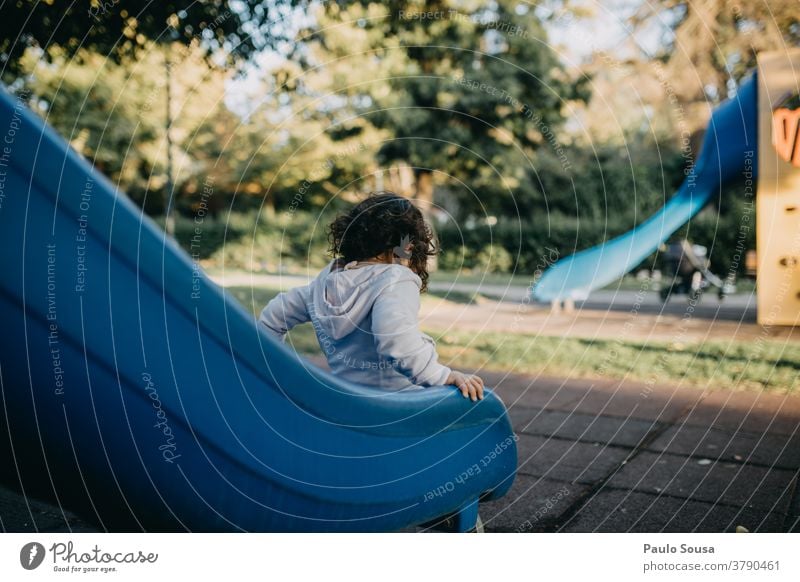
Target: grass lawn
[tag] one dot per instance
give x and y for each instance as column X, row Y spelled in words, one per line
column 714, row 364
column 520, row 279
column 767, row 365
column 630, row 283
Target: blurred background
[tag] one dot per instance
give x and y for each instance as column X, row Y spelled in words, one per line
column 521, row 126
column 525, row 131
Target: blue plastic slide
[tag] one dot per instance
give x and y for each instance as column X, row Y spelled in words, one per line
column 729, row 152
column 135, row 391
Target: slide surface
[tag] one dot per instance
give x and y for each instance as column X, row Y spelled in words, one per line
column 135, row 391
column 729, row 151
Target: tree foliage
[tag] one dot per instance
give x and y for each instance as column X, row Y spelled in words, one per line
column 113, row 112
column 119, row 28
column 468, row 91
column 713, row 43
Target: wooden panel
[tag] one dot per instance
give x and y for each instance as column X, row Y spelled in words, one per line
column 778, row 198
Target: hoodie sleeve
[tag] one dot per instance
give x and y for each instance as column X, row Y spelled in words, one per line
column 398, row 337
column 285, row 311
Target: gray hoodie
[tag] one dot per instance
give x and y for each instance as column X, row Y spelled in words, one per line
column 365, row 318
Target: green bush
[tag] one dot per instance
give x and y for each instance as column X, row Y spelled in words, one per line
column 453, row 258
column 297, row 241
column 245, row 240
column 528, row 247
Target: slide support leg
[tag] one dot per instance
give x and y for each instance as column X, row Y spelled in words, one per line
column 467, row 517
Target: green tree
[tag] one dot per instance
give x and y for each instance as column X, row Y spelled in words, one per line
column 127, row 30
column 114, row 112
column 301, row 145
column 119, row 28
column 713, row 44
column 468, row 91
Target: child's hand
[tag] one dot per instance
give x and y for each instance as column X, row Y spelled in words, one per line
column 471, row 386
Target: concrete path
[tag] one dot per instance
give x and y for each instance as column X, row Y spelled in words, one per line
column 632, row 324
column 607, row 456
column 631, row 315
column 739, row 307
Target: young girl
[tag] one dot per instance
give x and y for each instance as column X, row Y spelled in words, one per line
column 364, row 304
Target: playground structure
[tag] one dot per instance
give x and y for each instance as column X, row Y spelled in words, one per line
column 778, row 201
column 137, row 392
column 753, row 135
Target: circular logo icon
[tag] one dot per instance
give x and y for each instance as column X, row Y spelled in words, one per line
column 31, row 555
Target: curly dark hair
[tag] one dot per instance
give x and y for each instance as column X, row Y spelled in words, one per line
column 383, row 225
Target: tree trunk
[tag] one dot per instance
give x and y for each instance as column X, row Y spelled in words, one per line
column 424, row 191
column 401, row 180
column 269, row 207
column 424, row 197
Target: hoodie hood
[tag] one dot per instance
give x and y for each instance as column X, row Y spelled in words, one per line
column 343, row 297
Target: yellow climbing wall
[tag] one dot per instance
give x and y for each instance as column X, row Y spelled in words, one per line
column 778, row 195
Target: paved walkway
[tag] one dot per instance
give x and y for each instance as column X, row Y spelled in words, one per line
column 612, row 457
column 18, row 514
column 588, row 323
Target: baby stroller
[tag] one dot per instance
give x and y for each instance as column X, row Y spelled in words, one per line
column 687, row 272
